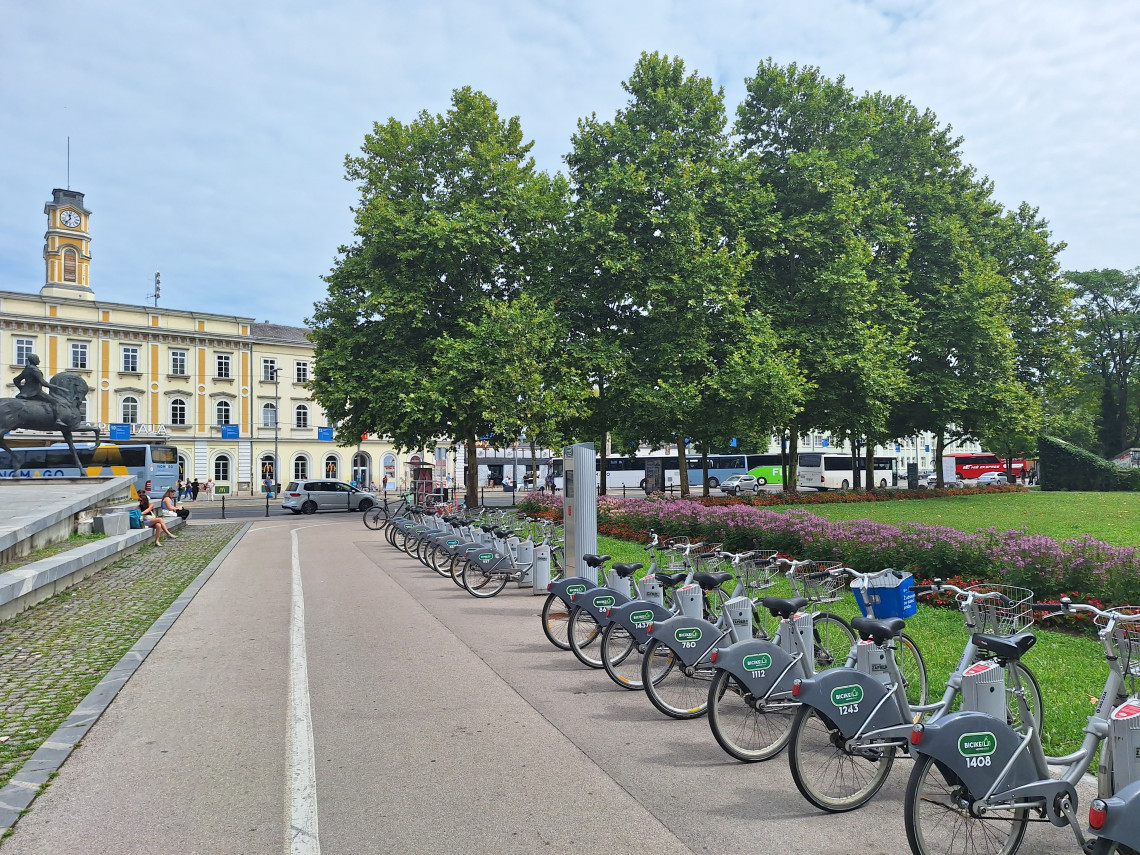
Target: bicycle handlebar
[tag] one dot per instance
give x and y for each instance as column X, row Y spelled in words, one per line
column 1067, row 606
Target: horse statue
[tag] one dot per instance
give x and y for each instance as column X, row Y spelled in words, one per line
column 68, row 391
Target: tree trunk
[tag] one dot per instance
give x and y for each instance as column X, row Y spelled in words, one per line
column 939, row 449
column 705, row 472
column 533, row 467
column 682, row 467
column 602, row 467
column 856, row 483
column 783, row 460
column 869, row 465
column 794, row 459
column 471, row 485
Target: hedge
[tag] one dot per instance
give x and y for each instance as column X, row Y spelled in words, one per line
column 1066, row 467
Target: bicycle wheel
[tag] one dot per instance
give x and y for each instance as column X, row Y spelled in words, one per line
column 830, row 777
column 621, row 656
column 745, row 729
column 1033, row 699
column 555, row 621
column 585, row 638
column 677, row 690
column 938, row 820
column 913, row 669
column 481, row 583
column 440, row 560
column 833, row 640
column 375, row 517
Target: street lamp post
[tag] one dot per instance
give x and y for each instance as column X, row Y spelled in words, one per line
column 276, row 430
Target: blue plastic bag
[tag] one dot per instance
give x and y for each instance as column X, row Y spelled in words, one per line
column 136, row 518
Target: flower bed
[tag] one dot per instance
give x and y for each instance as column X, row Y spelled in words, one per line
column 1079, row 567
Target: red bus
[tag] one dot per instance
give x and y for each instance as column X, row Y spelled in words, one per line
column 970, row 466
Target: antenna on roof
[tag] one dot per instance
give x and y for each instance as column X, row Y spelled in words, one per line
column 69, row 162
column 157, row 288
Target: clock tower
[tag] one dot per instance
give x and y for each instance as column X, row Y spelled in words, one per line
column 67, row 247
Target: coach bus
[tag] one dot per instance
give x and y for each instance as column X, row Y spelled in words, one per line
column 833, row 471
column 970, row 466
column 153, row 467
column 629, row 472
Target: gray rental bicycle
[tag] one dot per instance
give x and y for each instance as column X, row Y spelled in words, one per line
column 977, row 781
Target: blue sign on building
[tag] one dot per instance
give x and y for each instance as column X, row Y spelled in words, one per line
column 230, row 431
column 325, row 434
column 823, row 443
column 118, row 432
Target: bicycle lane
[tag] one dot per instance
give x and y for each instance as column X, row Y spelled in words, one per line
column 675, row 769
column 421, row 747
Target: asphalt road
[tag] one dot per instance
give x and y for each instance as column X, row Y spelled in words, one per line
column 438, row 723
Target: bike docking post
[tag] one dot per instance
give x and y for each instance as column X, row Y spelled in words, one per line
column 524, row 559
column 540, row 570
column 739, row 611
column 580, row 508
column 690, row 600
column 651, row 590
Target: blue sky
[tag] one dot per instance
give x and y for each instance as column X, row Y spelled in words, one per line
column 209, row 137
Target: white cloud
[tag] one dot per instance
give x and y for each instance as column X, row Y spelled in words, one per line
column 209, row 138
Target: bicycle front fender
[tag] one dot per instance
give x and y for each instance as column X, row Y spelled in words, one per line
column 689, row 638
column 976, row 747
column 637, row 615
column 761, row 667
column 851, row 700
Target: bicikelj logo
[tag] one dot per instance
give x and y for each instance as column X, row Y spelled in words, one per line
column 692, row 633
column 642, row 616
column 757, row 662
column 845, row 695
column 603, row 602
column 486, row 556
column 977, row 744
column 575, row 589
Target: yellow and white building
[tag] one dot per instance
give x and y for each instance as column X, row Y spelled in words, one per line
column 224, row 389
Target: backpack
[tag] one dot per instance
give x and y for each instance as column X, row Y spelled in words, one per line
column 136, row 518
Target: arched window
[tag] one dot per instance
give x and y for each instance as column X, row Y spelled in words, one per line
column 222, row 409
column 269, row 415
column 300, row 468
column 332, row 466
column 222, row 467
column 362, row 471
column 70, row 265
column 177, row 411
column 301, row 419
column 130, row 410
column 267, row 467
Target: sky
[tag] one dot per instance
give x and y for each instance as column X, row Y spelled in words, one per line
column 209, row 138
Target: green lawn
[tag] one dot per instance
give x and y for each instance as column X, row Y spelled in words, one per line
column 1111, row 517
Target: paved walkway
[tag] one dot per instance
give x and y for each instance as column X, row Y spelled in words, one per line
column 407, row 717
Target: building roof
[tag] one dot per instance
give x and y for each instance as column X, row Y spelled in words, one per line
column 279, row 332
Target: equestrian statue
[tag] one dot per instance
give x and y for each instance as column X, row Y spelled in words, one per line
column 46, row 405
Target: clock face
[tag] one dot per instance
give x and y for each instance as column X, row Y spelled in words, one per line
column 69, row 219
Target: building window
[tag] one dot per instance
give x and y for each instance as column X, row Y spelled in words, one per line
column 130, row 410
column 331, row 466
column 300, row 372
column 300, row 468
column 178, row 412
column 70, row 265
column 25, row 347
column 178, row 363
column 268, row 370
column 131, row 360
column 222, row 366
column 222, row 410
column 83, row 411
column 222, row 467
column 269, row 415
column 79, row 354
column 302, row 416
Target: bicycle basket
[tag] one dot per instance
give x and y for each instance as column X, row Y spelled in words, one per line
column 1127, row 638
column 822, row 589
column 1002, row 617
column 758, row 572
column 886, row 596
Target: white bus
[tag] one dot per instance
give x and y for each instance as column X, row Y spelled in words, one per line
column 833, row 471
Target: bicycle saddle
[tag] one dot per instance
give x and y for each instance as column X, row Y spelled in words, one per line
column 669, row 580
column 708, row 581
column 626, row 570
column 1005, row 646
column 783, row 607
column 596, row 560
column 878, row 631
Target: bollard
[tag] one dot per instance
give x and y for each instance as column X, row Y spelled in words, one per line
column 223, row 505
column 267, row 504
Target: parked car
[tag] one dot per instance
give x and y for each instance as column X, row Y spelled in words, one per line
column 932, row 481
column 734, row 485
column 992, row 479
column 325, row 494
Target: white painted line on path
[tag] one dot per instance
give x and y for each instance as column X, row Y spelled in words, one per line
column 302, row 837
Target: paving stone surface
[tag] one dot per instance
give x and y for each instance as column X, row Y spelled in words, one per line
column 53, row 654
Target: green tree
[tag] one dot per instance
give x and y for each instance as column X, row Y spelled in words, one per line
column 453, row 218
column 660, row 276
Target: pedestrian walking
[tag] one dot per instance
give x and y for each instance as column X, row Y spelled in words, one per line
column 550, row 482
column 268, row 482
column 384, row 483
column 178, row 490
column 194, row 488
column 209, row 488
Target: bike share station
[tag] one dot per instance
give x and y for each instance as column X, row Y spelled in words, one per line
column 580, row 525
